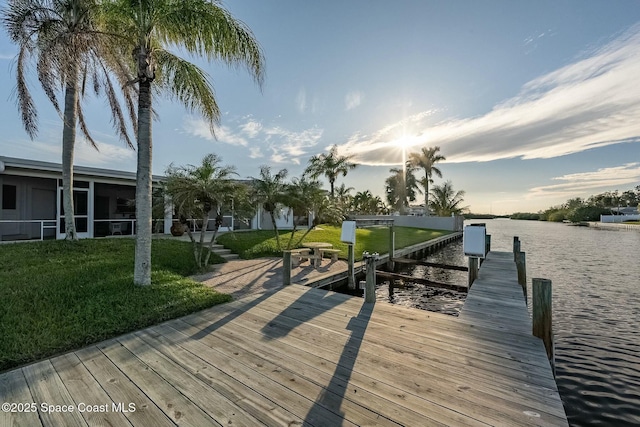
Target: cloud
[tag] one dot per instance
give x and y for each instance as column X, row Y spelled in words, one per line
column 288, row 146
column 301, row 100
column 581, row 183
column 199, row 127
column 251, row 128
column 285, row 145
column 6, row 56
column 592, row 102
column 352, row 100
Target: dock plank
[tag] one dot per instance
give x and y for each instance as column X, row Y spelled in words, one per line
column 299, row 356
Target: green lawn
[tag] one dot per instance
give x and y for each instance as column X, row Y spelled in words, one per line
column 255, row 244
column 56, row 296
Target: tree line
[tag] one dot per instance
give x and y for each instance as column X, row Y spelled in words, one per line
column 578, row 209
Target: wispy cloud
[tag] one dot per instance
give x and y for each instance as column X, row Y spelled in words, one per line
column 285, row 145
column 199, row 127
column 301, row 100
column 6, row 56
column 352, row 100
column 590, row 103
column 584, row 183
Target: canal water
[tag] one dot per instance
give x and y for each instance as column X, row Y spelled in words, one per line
column 596, row 310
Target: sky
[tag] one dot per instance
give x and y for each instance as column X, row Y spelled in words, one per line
column 531, row 102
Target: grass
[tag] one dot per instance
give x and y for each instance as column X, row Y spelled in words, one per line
column 57, row 296
column 255, row 244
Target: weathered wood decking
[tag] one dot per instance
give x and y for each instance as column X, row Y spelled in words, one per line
column 302, row 356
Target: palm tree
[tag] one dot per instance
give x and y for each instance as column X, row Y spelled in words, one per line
column 426, row 159
column 270, row 191
column 198, row 27
column 198, row 191
column 446, row 201
column 364, row 203
column 303, row 197
column 401, row 187
column 60, row 36
column 330, row 165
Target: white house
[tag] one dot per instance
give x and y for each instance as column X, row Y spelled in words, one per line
column 31, row 197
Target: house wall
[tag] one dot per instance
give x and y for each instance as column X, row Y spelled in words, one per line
column 434, row 222
column 619, row 218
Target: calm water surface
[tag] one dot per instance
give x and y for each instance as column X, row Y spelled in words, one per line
column 596, row 311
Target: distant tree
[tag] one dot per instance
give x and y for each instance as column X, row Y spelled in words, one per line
column 399, row 191
column 343, row 198
column 446, row 201
column 330, row 165
column 586, row 213
column 270, row 191
column 199, row 192
column 426, row 159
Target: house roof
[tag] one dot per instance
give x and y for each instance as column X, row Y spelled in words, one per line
column 27, row 167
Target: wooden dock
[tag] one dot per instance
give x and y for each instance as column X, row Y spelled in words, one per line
column 303, row 356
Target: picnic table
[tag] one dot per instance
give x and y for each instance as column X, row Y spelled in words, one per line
column 317, row 251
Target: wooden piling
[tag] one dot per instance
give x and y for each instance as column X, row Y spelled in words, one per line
column 487, row 244
column 542, row 317
column 521, row 264
column 473, row 270
column 392, row 247
column 370, row 287
column 516, row 246
column 286, row 268
column 351, row 281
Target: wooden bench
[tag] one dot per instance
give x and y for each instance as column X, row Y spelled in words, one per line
column 333, row 252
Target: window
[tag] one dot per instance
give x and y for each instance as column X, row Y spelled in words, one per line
column 9, row 197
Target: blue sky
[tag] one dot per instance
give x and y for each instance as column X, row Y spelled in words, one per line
column 532, row 102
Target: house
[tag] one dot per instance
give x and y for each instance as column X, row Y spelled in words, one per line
column 31, row 194
column 31, row 197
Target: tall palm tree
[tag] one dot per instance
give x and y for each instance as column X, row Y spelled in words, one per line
column 426, row 159
column 270, row 191
column 198, row 27
column 61, row 37
column 401, row 187
column 446, row 201
column 199, row 191
column 330, row 165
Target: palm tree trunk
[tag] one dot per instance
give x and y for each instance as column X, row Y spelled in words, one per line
column 68, row 147
column 275, row 229
column 142, row 268
column 426, row 195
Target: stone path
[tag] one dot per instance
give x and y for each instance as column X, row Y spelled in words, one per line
column 244, row 277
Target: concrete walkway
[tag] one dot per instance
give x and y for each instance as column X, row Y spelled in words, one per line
column 245, row 277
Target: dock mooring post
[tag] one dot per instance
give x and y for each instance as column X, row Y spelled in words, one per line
column 370, row 266
column 473, row 270
column 351, row 281
column 392, row 246
column 516, row 246
column 487, row 244
column 286, row 268
column 521, row 264
column 542, row 315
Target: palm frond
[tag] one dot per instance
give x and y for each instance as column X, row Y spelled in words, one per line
column 188, row 84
